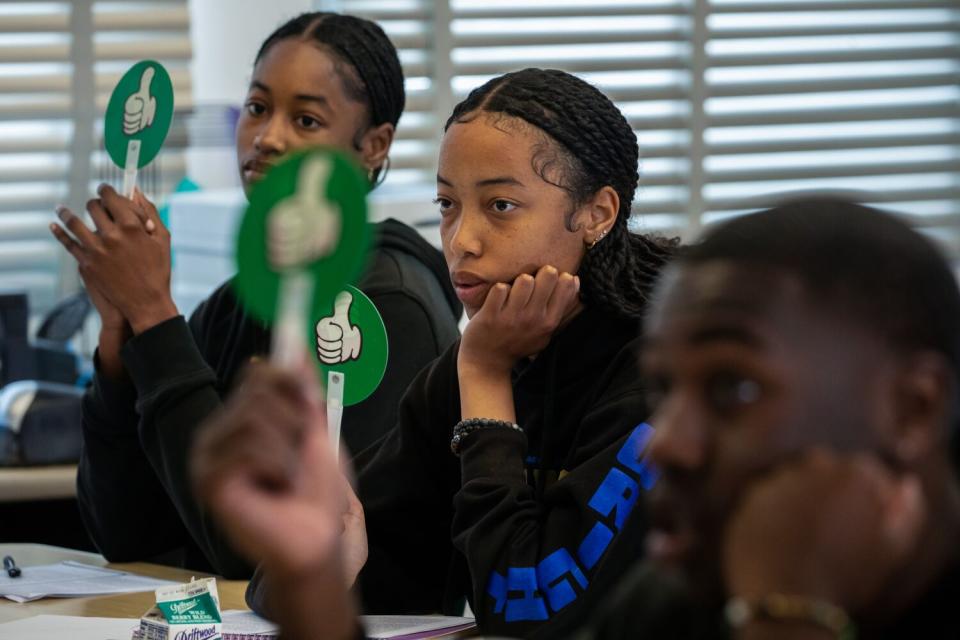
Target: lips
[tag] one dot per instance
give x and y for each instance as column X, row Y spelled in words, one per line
column 672, row 537
column 670, row 548
column 471, row 289
column 253, row 170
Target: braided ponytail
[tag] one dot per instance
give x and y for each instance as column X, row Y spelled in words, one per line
column 594, row 146
column 365, row 59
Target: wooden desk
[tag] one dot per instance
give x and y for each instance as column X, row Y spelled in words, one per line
column 21, row 484
column 125, row 605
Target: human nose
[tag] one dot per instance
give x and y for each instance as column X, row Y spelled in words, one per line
column 465, row 234
column 680, row 436
column 271, row 138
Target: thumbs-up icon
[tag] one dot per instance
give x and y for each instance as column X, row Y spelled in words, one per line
column 140, row 107
column 337, row 340
column 304, row 226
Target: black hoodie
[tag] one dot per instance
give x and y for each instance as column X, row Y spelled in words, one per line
column 532, row 527
column 133, row 482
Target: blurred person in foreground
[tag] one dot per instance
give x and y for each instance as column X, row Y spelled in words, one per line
column 804, row 367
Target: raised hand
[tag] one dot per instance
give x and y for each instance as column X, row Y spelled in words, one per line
column 266, row 469
column 265, row 466
column 127, row 259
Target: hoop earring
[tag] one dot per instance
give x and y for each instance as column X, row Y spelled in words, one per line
column 591, row 245
column 382, row 175
column 384, row 169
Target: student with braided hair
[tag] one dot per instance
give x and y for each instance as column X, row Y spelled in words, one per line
column 516, row 474
column 321, row 78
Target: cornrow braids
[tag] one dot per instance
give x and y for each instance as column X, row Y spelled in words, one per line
column 592, row 145
column 365, row 59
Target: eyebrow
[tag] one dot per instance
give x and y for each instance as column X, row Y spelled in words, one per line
column 500, row 180
column 711, row 335
column 507, row 180
column 322, row 100
column 726, row 333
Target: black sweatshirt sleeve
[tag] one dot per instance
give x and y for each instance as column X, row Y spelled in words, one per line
column 177, row 391
column 408, row 504
column 115, row 482
column 538, row 563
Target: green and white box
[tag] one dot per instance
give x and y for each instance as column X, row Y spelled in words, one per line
column 184, row 612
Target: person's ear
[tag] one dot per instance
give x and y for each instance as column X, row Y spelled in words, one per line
column 375, row 145
column 923, row 404
column 597, row 216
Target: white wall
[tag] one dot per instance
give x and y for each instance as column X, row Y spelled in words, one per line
column 225, row 35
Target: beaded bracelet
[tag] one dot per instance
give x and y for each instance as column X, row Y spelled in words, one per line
column 468, row 426
column 778, row 607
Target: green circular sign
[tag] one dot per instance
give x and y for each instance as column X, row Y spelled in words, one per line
column 140, row 111
column 351, row 338
column 307, row 215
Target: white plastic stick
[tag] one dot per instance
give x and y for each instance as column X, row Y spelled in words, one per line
column 291, row 329
column 335, row 381
column 130, row 168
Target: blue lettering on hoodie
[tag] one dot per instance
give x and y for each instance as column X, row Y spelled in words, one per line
column 531, row 593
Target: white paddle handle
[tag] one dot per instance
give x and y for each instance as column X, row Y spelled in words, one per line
column 130, row 168
column 335, row 381
column 291, row 328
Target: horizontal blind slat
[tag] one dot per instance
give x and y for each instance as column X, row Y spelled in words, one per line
column 585, row 9
column 792, row 6
column 840, row 114
column 889, row 195
column 763, row 88
column 581, row 65
column 828, row 29
column 833, row 171
column 825, row 57
column 823, row 144
column 523, row 39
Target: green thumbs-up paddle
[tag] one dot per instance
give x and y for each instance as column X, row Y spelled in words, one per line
column 303, row 238
column 138, row 119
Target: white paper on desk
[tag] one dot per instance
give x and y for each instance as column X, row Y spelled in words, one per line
column 70, row 579
column 46, row 627
column 386, row 627
column 247, row 625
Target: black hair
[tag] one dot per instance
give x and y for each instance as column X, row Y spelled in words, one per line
column 374, row 76
column 854, row 258
column 589, row 144
column 858, row 261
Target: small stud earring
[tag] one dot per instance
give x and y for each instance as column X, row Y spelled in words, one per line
column 597, row 239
